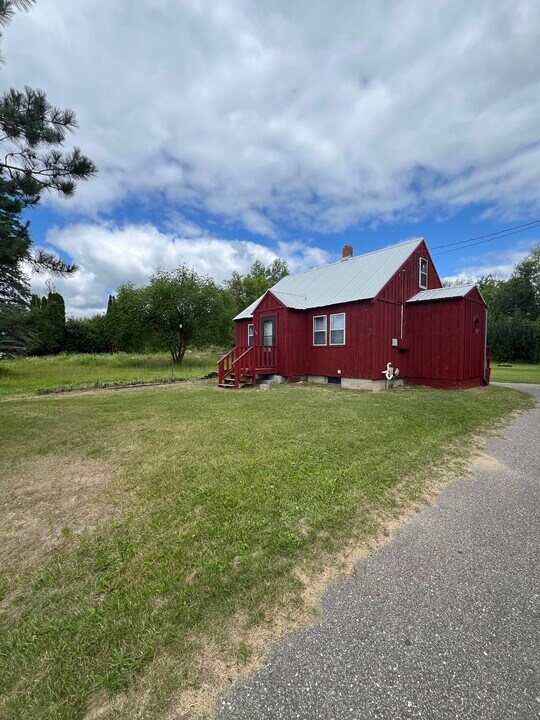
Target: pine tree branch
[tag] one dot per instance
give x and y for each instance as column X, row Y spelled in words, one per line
column 42, row 261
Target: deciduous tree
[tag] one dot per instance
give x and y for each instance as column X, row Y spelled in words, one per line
column 181, row 308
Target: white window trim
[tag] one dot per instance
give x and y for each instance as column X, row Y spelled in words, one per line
column 420, row 273
column 252, row 335
column 316, row 317
column 344, row 328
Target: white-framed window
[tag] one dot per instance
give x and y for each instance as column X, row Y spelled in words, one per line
column 319, row 330
column 337, row 329
column 422, row 277
column 250, row 334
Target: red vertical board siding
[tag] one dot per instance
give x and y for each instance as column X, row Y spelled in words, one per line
column 267, row 305
column 298, row 356
column 434, row 337
column 241, row 331
column 295, row 359
column 444, row 346
column 386, row 327
column 387, row 319
column 405, row 283
column 352, row 359
column 473, row 336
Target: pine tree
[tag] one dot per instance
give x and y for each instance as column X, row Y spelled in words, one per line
column 32, row 135
column 111, row 324
column 47, row 322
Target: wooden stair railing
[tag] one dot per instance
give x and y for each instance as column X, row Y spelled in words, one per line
column 243, row 367
column 243, row 363
column 235, row 367
column 225, row 365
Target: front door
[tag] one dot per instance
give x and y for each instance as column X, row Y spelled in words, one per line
column 268, row 334
column 268, row 331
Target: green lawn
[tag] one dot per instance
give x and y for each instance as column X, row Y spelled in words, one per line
column 518, row 373
column 132, row 523
column 54, row 371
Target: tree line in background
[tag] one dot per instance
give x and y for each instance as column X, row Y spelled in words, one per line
column 176, row 310
column 514, row 311
column 180, row 308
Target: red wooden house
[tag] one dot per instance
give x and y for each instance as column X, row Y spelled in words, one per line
column 345, row 322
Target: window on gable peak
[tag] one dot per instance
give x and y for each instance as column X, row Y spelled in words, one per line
column 423, row 274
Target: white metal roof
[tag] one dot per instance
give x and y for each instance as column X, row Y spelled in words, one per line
column 357, row 278
column 442, row 293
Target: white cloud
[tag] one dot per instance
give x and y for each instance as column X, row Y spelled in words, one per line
column 109, row 256
column 315, row 116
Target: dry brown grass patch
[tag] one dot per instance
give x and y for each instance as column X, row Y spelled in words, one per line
column 46, row 499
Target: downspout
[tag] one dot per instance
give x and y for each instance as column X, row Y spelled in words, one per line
column 402, row 301
column 485, row 344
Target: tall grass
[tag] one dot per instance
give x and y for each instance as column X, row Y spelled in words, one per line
column 79, row 370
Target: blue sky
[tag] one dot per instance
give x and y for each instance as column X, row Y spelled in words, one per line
column 232, row 131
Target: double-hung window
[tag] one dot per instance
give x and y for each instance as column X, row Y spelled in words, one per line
column 319, row 330
column 422, row 279
column 337, row 329
column 250, row 334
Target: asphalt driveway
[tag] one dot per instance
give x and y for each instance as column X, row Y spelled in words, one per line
column 443, row 622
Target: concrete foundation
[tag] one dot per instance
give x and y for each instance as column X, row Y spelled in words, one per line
column 370, row 385
column 348, row 383
column 357, row 384
column 279, row 379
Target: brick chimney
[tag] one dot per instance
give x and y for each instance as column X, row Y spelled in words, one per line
column 347, row 252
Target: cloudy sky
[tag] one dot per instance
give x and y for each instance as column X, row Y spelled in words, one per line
column 230, row 131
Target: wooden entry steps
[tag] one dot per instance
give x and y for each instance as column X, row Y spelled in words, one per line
column 242, row 364
column 231, row 382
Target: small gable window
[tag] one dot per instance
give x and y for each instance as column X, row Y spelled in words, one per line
column 319, row 330
column 337, row 329
column 422, row 281
column 250, row 334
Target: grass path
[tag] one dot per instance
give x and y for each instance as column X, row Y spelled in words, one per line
column 206, row 502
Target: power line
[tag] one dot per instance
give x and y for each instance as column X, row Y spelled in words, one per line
column 492, row 236
column 480, row 242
